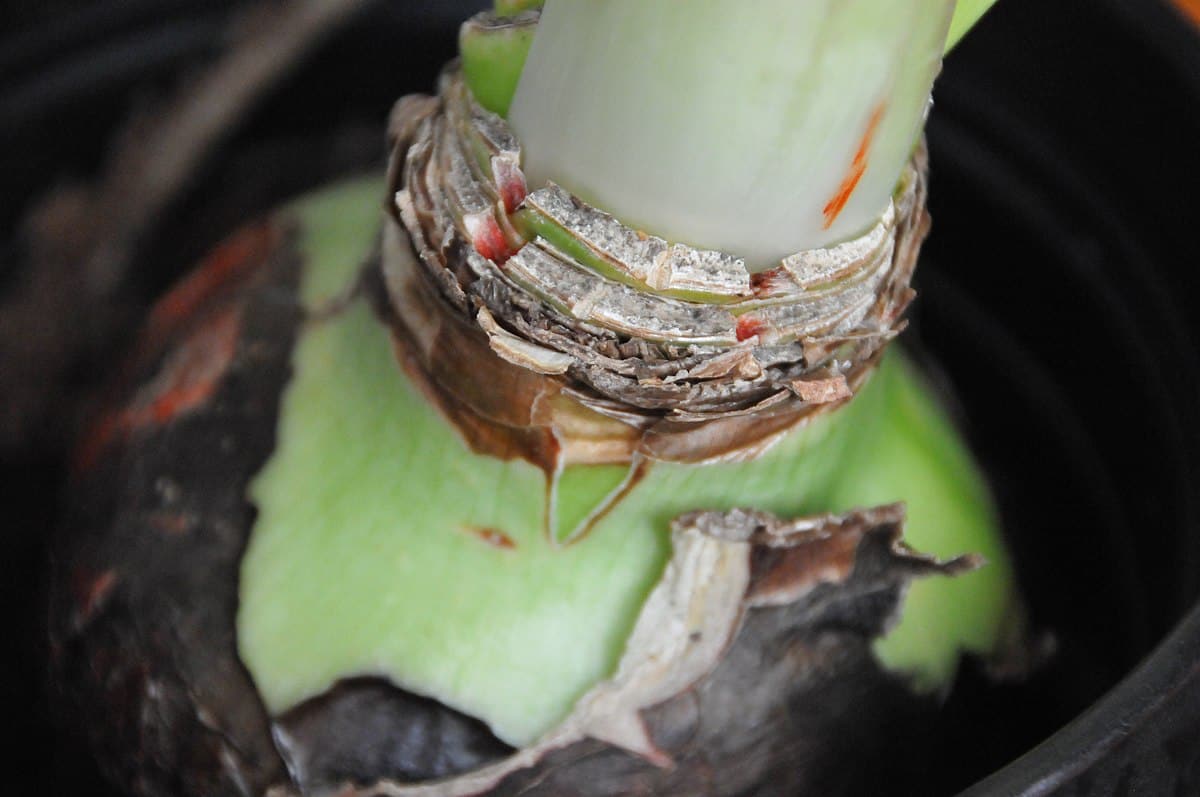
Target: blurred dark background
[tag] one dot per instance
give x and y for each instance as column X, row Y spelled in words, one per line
column 1057, row 292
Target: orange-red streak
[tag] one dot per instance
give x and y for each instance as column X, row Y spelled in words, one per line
column 1191, row 8
column 191, row 375
column 187, row 380
column 858, row 167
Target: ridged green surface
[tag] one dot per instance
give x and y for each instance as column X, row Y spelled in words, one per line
column 367, row 555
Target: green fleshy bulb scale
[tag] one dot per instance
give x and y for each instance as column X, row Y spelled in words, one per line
column 384, row 546
column 493, row 56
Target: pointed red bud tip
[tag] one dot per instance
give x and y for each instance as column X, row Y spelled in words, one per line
column 510, row 181
column 487, row 237
column 764, row 283
column 748, row 326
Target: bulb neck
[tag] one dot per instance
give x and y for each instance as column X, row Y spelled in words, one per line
column 558, row 331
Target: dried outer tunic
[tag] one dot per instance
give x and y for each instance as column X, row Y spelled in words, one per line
column 714, row 695
column 687, row 355
column 145, row 583
column 144, row 653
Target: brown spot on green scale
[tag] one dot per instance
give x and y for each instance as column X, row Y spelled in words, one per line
column 492, row 536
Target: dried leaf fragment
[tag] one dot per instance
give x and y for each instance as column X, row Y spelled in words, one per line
column 749, row 670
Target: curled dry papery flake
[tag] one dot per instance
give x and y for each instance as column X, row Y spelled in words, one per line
column 748, row 672
column 657, row 349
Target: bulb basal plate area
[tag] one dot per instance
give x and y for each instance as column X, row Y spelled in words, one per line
column 687, row 348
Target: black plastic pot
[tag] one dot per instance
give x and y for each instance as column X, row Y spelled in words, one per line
column 1056, row 300
column 1059, row 291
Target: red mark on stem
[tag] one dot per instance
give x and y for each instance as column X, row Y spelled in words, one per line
column 858, row 167
column 749, row 326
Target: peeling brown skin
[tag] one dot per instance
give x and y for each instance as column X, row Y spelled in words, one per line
column 796, row 703
column 144, row 585
column 507, row 433
column 796, row 698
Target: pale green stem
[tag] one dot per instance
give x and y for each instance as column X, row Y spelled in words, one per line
column 761, row 130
